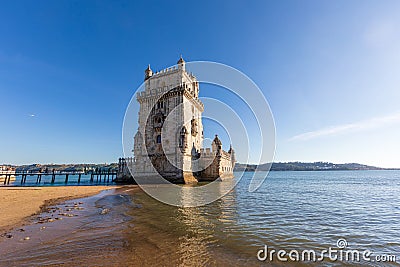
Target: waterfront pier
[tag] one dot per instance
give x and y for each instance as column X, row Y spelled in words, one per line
column 101, row 176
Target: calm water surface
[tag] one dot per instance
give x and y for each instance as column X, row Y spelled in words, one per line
column 292, row 210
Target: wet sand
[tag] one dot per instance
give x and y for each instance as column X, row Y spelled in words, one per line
column 17, row 204
column 121, row 227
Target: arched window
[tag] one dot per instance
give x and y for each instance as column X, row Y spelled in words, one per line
column 159, row 139
column 182, row 137
column 160, row 104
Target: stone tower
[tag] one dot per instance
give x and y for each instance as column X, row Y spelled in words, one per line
column 170, row 132
column 170, row 135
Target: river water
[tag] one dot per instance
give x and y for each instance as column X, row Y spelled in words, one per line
column 292, row 211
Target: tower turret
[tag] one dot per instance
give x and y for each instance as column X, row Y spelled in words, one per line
column 148, row 73
column 181, row 63
column 233, row 157
column 216, row 144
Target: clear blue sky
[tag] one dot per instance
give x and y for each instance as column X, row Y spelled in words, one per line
column 329, row 69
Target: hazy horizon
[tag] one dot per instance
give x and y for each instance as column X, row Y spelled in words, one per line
column 98, row 163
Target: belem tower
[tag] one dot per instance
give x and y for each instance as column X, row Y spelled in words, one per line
column 169, row 140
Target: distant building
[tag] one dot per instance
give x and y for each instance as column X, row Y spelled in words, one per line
column 173, row 147
column 7, row 169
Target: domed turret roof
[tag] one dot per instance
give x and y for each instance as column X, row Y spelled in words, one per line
column 217, row 141
column 180, row 61
column 230, row 149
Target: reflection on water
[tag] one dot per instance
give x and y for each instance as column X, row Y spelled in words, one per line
column 184, row 236
column 11, row 179
column 292, row 210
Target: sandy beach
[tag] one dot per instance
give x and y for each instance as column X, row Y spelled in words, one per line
column 19, row 203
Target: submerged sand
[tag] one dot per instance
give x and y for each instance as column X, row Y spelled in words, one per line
column 19, row 203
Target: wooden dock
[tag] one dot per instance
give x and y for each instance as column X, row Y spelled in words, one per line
column 95, row 177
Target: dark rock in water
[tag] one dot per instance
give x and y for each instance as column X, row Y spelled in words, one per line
column 46, row 220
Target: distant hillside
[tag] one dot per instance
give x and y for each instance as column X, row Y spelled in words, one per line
column 304, row 166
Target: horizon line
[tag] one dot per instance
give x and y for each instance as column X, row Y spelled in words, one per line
column 258, row 164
